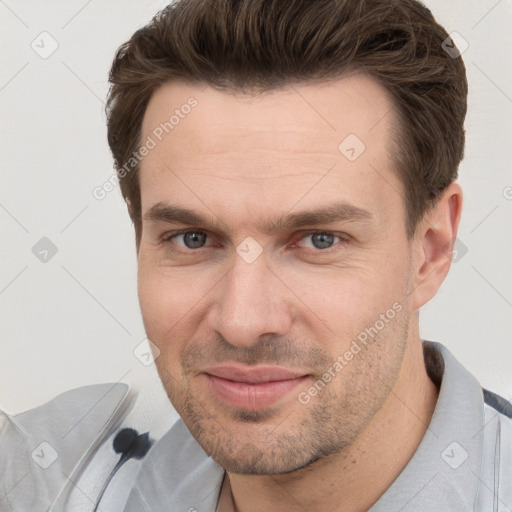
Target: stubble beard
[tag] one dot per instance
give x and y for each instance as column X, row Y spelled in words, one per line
column 270, row 442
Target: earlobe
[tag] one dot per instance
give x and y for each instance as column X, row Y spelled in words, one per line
column 433, row 245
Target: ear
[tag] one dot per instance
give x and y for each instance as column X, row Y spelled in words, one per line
column 433, row 243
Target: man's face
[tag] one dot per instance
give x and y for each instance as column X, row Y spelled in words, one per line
column 268, row 253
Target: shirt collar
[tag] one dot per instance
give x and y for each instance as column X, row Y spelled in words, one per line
column 443, row 473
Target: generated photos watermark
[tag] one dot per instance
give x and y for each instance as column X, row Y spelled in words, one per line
column 151, row 142
column 362, row 339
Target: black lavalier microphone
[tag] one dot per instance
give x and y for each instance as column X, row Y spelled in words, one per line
column 131, row 445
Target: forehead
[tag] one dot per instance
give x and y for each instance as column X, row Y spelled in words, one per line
column 301, row 143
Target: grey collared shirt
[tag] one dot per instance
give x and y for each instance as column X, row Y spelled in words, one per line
column 463, row 463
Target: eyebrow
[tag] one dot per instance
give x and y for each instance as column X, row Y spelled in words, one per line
column 337, row 212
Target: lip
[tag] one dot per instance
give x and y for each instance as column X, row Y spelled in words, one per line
column 252, row 388
column 256, row 375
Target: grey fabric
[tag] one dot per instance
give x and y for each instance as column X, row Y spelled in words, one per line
column 43, row 450
column 461, row 464
column 443, row 473
column 176, row 475
column 495, row 477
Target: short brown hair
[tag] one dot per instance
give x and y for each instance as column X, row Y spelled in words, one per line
column 253, row 46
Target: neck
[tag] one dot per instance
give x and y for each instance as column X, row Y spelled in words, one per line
column 341, row 481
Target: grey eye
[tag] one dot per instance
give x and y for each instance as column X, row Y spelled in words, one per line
column 322, row 240
column 193, row 239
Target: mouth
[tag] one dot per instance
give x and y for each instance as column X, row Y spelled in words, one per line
column 252, row 388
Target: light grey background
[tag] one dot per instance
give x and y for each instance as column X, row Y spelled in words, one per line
column 74, row 319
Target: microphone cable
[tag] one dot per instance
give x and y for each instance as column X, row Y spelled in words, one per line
column 131, row 445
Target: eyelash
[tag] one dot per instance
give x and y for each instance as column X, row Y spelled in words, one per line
column 343, row 239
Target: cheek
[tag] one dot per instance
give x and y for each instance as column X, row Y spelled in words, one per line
column 342, row 301
column 171, row 300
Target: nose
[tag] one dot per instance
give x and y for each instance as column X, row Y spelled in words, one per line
column 249, row 303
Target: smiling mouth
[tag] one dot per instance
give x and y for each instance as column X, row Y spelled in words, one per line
column 254, row 388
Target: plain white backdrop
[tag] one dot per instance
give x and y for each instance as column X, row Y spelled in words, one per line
column 72, row 318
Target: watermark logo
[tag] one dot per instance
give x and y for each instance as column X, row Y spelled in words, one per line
column 44, row 250
column 146, row 352
column 361, row 340
column 455, row 250
column 249, row 249
column 454, row 455
column 351, row 147
column 45, row 45
column 44, row 455
column 459, row 250
column 455, row 45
